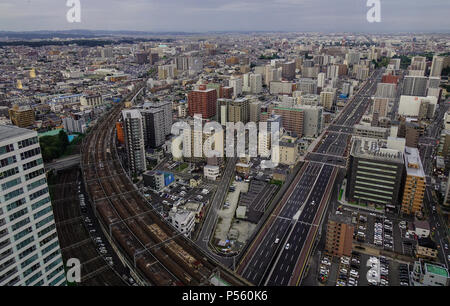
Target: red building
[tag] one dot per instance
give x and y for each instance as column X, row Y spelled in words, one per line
column 227, row 92
column 202, row 102
column 393, row 79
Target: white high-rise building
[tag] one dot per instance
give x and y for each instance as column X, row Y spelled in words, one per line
column 255, row 83
column 30, row 253
column 436, row 66
column 321, row 80
column 246, row 82
column 237, row 85
column 333, row 72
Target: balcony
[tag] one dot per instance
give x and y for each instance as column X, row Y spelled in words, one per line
column 7, row 274
column 7, row 264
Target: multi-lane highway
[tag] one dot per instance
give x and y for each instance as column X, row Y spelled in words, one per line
column 280, row 251
column 427, row 153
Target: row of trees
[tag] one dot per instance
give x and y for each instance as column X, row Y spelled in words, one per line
column 54, row 146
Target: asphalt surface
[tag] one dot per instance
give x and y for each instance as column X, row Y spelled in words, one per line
column 427, row 154
column 296, row 223
column 209, row 223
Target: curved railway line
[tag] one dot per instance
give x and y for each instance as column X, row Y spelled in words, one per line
column 73, row 236
column 160, row 254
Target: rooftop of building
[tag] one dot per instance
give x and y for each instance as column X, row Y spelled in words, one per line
column 437, row 270
column 413, row 163
column 11, row 131
column 343, row 219
column 372, row 148
column 134, row 113
column 370, row 128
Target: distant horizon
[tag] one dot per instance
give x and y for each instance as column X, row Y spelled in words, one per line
column 447, row 31
column 205, row 16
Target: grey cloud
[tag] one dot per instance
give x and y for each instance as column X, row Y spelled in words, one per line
column 207, row 15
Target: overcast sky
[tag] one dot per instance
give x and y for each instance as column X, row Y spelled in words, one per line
column 227, row 15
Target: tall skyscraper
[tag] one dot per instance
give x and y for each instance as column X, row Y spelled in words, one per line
column 134, row 140
column 29, row 248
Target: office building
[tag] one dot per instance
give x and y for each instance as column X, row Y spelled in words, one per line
column 29, row 248
column 339, row 236
column 415, row 182
column 202, row 102
column 134, row 140
column 375, row 173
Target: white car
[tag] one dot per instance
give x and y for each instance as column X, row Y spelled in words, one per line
column 287, row 246
column 277, row 240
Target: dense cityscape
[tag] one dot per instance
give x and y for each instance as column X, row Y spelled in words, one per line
column 224, row 159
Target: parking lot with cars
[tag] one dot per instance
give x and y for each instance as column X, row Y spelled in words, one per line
column 376, row 230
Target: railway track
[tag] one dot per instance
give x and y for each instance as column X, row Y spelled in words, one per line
column 159, row 253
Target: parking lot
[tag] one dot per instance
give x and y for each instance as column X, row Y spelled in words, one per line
column 378, row 231
column 361, row 269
